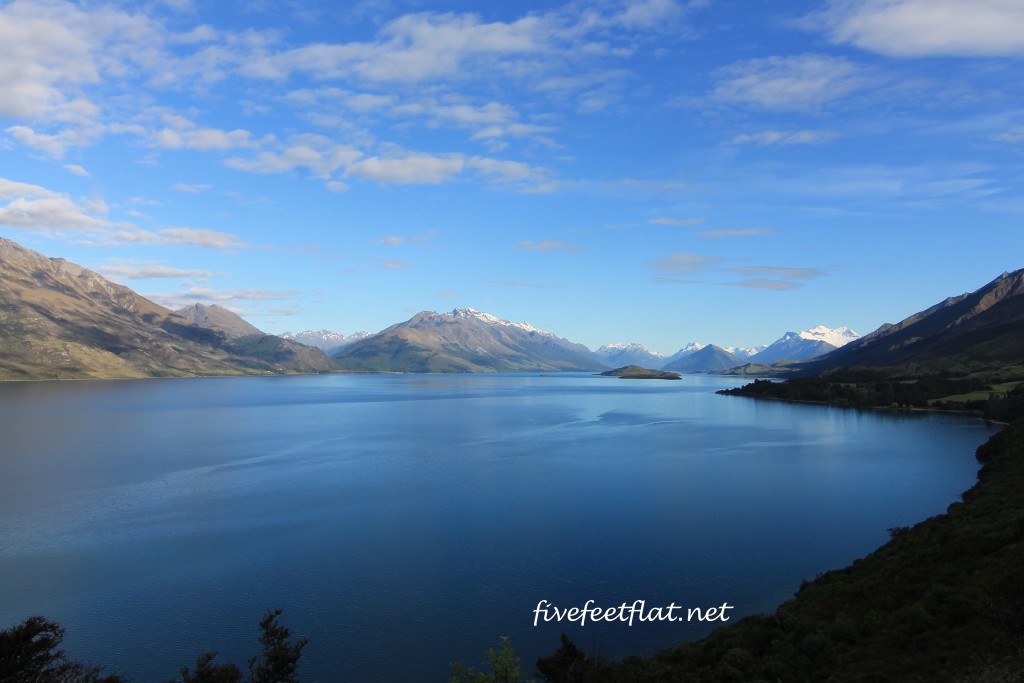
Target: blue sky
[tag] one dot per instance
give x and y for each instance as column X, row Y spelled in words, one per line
column 656, row 171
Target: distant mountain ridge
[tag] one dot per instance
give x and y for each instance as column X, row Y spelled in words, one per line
column 805, row 345
column 325, row 340
column 466, row 340
column 619, row 355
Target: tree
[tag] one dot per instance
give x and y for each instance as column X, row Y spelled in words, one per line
column 506, row 667
column 30, row 653
column 279, row 662
column 207, row 672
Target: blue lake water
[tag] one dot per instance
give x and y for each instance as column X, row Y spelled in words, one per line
column 406, row 521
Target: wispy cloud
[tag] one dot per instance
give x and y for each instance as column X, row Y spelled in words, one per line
column 924, row 28
column 77, row 170
column 684, row 261
column 191, row 188
column 800, row 82
column 389, row 264
column 392, row 240
column 1014, row 135
column 556, row 246
column 222, row 297
column 194, row 237
column 782, row 138
column 776, row 285
column 664, row 280
column 775, row 271
column 130, row 269
column 528, row 285
column 734, row 232
column 676, row 221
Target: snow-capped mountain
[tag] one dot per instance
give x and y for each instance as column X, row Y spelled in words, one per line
column 325, row 340
column 619, row 355
column 466, row 340
column 692, row 347
column 742, row 353
column 806, row 344
column 840, row 336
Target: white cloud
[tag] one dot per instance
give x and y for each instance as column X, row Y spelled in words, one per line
column 128, row 269
column 920, row 28
column 76, row 170
column 415, row 168
column 788, row 83
column 793, row 137
column 145, row 201
column 13, row 188
column 175, row 236
column 506, row 171
column 391, row 240
column 178, row 300
column 315, row 153
column 206, row 139
column 365, row 102
column 53, row 145
column 649, row 13
column 48, row 213
column 36, row 208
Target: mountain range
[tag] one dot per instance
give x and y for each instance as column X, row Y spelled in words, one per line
column 466, row 340
column 325, row 340
column 619, row 355
column 58, row 319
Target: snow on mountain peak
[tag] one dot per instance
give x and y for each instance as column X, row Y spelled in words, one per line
column 837, row 337
column 632, row 347
column 472, row 313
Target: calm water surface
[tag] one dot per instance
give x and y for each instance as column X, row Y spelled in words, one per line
column 404, row 522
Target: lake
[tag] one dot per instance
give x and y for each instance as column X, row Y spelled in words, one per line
column 406, row 521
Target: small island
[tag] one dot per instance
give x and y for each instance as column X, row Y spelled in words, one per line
column 637, row 372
